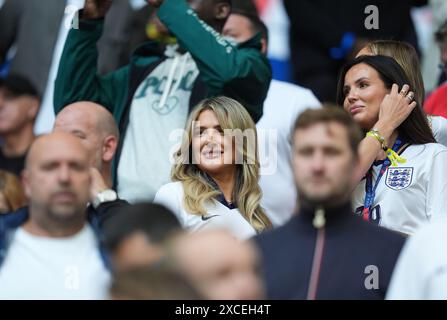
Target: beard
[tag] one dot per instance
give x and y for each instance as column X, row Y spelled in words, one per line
column 65, row 212
column 333, row 196
column 68, row 211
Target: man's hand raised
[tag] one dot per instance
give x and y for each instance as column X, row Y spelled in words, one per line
column 96, row 9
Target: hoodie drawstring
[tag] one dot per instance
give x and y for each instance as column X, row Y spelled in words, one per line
column 170, row 86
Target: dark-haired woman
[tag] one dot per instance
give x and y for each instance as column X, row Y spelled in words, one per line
column 407, row 185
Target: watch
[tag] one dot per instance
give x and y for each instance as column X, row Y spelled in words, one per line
column 106, row 195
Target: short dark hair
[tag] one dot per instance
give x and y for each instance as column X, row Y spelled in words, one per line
column 259, row 26
column 154, row 220
column 155, row 282
column 15, row 85
column 331, row 113
column 415, row 129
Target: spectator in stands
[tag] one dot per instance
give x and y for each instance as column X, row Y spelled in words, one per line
column 324, row 251
column 96, row 129
column 156, row 282
column 421, row 271
column 38, row 34
column 405, row 54
column 219, row 266
column 136, row 236
column 19, row 104
column 153, row 96
column 410, row 172
column 216, row 171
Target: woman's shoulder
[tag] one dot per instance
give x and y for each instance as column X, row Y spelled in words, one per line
column 171, row 186
column 170, row 195
column 170, row 190
column 427, row 149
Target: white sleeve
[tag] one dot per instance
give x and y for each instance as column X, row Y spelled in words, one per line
column 169, row 197
column 436, row 198
column 407, row 281
column 439, row 127
column 421, row 270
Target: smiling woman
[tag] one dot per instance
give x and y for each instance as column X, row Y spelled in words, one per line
column 216, row 171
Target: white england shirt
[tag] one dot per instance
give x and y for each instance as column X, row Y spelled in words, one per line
column 421, row 271
column 218, row 215
column 412, row 193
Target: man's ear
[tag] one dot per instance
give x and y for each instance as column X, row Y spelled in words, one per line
column 264, row 46
column 109, row 148
column 222, row 10
column 26, row 183
column 34, row 104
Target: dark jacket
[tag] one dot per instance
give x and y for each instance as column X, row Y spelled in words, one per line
column 350, row 246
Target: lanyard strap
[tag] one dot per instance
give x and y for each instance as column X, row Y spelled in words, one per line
column 370, row 190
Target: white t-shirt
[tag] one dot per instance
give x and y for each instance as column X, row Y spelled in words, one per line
column 412, row 193
column 282, row 106
column 218, row 215
column 155, row 130
column 439, row 129
column 421, row 271
column 54, row 268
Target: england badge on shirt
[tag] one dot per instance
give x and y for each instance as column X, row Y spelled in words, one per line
column 398, row 178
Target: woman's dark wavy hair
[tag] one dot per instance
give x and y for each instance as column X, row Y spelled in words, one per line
column 415, row 129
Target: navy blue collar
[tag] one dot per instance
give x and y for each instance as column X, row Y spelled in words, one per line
column 220, row 197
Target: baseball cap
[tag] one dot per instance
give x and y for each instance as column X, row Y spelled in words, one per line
column 16, row 85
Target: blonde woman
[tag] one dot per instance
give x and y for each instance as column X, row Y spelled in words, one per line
column 216, row 171
column 405, row 54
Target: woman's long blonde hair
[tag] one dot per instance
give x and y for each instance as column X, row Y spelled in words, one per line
column 196, row 185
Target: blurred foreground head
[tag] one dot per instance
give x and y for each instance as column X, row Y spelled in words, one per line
column 218, row 265
column 156, row 282
column 136, row 235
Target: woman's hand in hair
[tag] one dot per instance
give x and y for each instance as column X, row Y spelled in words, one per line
column 394, row 109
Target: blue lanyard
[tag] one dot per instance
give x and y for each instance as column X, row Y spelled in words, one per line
column 370, row 190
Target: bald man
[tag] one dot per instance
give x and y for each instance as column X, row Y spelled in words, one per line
column 96, row 129
column 50, row 250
